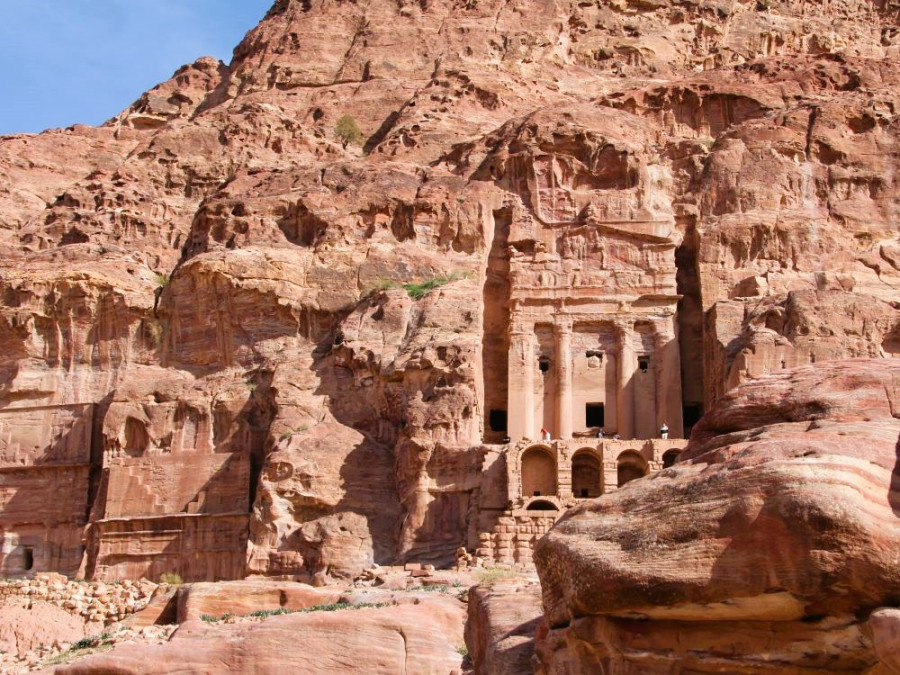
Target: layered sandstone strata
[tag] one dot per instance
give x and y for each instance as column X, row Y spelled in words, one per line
column 374, row 632
column 622, row 211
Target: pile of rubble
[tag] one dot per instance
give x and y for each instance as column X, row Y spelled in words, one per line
column 95, row 601
column 61, row 652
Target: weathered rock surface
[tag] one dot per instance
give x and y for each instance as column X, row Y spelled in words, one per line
column 28, row 624
column 244, row 597
column 884, row 625
column 777, row 528
column 409, row 638
column 232, row 343
column 208, row 357
column 504, row 617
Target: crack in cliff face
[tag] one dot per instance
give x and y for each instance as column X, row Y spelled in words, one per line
column 813, row 113
column 360, row 30
column 406, row 654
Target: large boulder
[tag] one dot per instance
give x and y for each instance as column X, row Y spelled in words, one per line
column 503, row 619
column 379, row 638
column 778, row 529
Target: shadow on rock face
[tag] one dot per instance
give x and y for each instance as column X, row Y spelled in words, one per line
column 894, row 492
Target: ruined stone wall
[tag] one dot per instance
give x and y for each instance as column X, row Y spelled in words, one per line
column 544, row 480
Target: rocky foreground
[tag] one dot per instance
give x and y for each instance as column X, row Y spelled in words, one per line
column 767, row 548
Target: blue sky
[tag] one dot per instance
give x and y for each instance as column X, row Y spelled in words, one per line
column 82, row 61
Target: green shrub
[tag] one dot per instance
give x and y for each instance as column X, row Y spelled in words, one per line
column 91, row 642
column 331, row 607
column 417, row 291
column 347, row 131
column 379, row 286
column 289, row 433
column 266, row 613
column 171, row 578
column 83, row 643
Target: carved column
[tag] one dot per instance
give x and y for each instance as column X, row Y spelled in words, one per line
column 668, row 387
column 627, row 364
column 564, row 382
column 520, row 416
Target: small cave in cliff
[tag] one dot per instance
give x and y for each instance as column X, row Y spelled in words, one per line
column 891, row 342
column 690, row 328
column 301, row 227
column 495, row 337
column 610, row 169
column 136, row 437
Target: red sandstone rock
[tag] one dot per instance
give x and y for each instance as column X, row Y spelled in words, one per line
column 204, row 282
column 245, row 597
column 421, row 638
column 504, row 617
column 884, row 625
column 26, row 624
column 782, row 509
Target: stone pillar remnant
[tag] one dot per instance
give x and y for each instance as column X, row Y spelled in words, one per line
column 564, row 384
column 625, row 421
column 521, row 383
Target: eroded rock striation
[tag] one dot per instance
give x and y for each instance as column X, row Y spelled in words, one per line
column 376, row 632
column 777, row 528
column 232, row 343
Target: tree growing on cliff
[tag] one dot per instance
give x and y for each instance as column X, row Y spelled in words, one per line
column 347, row 131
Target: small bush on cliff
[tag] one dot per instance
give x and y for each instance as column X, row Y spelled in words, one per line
column 377, row 287
column 171, row 578
column 418, row 291
column 91, row 642
column 290, row 433
column 347, row 131
column 83, row 643
column 265, row 613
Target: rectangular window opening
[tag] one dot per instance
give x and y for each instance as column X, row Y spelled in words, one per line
column 497, row 420
column 594, row 415
column 644, row 363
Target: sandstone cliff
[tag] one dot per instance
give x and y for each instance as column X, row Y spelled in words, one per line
column 208, row 358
